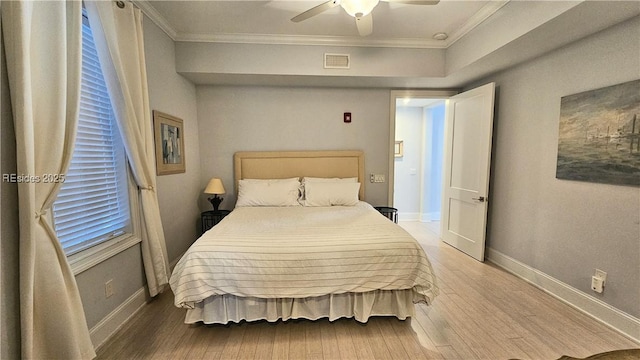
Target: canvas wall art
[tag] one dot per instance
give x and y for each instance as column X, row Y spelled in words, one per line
column 599, row 135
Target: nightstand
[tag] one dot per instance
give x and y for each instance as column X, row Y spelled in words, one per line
column 391, row 213
column 211, row 218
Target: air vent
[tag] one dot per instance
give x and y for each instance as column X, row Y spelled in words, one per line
column 336, row 61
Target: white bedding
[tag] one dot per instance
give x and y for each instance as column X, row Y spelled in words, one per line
column 302, row 252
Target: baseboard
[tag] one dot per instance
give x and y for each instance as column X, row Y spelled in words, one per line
column 430, row 216
column 111, row 323
column 405, row 216
column 599, row 310
column 422, row 217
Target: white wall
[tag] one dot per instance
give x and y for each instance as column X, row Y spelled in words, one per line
column 563, row 228
column 433, row 159
column 418, row 174
column 408, row 169
column 271, row 118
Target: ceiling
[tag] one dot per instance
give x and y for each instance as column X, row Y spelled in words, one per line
column 270, row 21
column 251, row 39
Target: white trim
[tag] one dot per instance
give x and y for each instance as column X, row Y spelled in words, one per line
column 406, row 216
column 478, row 18
column 111, row 323
column 156, row 18
column 320, row 40
column 430, row 216
column 93, row 256
column 618, row 320
column 272, row 39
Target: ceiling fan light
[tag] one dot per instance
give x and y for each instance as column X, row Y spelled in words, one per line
column 358, row 8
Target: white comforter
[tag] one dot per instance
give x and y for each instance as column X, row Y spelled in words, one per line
column 299, row 252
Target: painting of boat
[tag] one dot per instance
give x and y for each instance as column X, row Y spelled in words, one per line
column 599, row 135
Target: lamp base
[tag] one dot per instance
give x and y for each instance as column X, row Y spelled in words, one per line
column 215, row 201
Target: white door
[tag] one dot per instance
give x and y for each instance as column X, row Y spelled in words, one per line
column 467, row 160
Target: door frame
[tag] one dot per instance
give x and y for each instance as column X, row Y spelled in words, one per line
column 402, row 94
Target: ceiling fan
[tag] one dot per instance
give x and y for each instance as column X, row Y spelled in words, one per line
column 359, row 9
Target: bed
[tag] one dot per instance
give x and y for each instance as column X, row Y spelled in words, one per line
column 328, row 254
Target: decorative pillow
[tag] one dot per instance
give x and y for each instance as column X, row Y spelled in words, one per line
column 271, row 192
column 331, row 193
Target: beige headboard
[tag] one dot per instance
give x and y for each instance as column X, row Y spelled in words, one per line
column 288, row 164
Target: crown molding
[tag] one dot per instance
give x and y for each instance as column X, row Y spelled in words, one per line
column 271, row 39
column 156, row 17
column 478, row 18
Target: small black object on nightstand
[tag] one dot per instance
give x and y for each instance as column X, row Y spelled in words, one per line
column 211, row 218
column 391, row 213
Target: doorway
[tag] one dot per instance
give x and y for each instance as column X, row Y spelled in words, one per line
column 418, row 169
column 418, row 119
column 464, row 165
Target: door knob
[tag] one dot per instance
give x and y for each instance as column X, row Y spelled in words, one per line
column 479, row 199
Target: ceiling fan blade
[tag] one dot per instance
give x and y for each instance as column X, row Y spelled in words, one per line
column 316, row 10
column 414, row 2
column 365, row 24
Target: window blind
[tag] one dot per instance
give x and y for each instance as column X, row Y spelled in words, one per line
column 92, row 205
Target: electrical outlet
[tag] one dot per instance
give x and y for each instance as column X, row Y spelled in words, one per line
column 601, row 274
column 108, row 289
column 598, row 280
column 597, row 284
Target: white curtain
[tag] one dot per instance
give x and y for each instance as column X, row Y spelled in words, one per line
column 43, row 51
column 118, row 35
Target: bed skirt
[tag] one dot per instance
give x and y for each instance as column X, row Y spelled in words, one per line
column 222, row 309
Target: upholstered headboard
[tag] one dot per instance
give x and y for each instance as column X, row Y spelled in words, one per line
column 288, row 164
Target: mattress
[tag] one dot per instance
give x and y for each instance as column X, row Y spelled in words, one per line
column 302, row 252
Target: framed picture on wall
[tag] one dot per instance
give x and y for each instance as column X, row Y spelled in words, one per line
column 169, row 141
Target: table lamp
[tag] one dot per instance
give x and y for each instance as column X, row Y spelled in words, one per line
column 215, row 187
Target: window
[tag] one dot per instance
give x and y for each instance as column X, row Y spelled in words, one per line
column 93, row 204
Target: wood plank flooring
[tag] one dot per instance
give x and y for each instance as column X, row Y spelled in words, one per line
column 482, row 312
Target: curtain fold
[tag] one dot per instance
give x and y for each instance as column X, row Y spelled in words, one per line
column 119, row 41
column 43, row 49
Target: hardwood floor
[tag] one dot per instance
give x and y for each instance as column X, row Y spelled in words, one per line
column 482, row 312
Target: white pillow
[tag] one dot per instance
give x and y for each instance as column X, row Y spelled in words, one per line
column 323, row 180
column 272, row 192
column 316, row 179
column 272, row 180
column 331, row 193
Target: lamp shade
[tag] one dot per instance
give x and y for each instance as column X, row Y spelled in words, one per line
column 214, row 187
